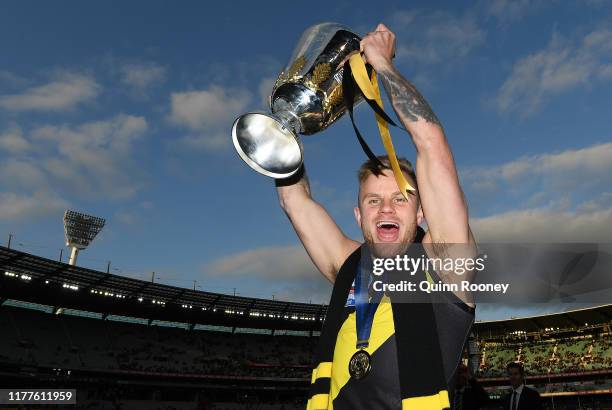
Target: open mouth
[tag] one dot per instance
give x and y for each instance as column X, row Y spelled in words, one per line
column 387, row 231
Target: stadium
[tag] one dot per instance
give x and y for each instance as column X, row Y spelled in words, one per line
column 131, row 344
column 287, row 151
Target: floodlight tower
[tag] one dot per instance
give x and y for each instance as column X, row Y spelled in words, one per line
column 80, row 230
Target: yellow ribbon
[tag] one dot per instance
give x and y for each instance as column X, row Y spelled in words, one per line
column 369, row 88
column 437, row 401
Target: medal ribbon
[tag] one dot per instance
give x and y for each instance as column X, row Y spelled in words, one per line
column 364, row 308
column 368, row 86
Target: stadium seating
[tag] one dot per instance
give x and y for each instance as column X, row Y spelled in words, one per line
column 71, row 342
column 548, row 356
column 125, row 343
column 65, row 341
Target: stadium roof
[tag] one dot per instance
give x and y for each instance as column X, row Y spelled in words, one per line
column 39, row 280
column 571, row 319
column 118, row 293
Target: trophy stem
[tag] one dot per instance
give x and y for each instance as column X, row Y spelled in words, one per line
column 289, row 120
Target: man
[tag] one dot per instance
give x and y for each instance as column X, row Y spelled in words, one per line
column 520, row 397
column 399, row 372
column 469, row 394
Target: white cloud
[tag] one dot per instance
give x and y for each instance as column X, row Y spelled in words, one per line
column 265, row 90
column 92, row 159
column 65, row 92
column 545, row 225
column 15, row 206
column 205, row 142
column 209, row 114
column 286, row 271
column 54, row 163
column 561, row 196
column 116, row 134
column 12, row 80
column 22, row 174
column 592, row 205
column 507, row 11
column 275, row 262
column 435, row 37
column 13, row 141
column 142, row 76
column 559, row 172
column 560, row 67
column 204, row 109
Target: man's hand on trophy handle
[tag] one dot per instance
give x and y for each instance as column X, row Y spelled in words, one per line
column 363, row 56
column 378, row 47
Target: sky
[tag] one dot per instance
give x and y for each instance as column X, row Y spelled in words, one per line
column 123, row 110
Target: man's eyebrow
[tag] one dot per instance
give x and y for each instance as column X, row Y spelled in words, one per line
column 372, row 194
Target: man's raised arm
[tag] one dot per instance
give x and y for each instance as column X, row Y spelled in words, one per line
column 325, row 243
column 442, row 199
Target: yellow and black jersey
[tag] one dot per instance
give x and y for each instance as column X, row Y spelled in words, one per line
column 333, row 388
column 382, row 384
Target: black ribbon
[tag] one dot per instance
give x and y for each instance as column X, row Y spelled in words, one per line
column 348, row 90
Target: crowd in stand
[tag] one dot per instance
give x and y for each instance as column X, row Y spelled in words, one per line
column 75, row 342
column 63, row 342
column 557, row 355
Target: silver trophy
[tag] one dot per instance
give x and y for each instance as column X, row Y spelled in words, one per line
column 306, row 98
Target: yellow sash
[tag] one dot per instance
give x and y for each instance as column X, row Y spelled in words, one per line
column 369, row 88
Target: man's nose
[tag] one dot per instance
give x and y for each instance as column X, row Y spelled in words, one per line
column 386, row 206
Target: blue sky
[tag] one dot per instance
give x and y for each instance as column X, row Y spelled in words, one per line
column 123, row 110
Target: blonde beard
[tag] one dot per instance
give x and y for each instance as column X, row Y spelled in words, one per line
column 389, row 250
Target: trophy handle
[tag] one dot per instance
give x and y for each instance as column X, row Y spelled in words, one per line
column 267, row 145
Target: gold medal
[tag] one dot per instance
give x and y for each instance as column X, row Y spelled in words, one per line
column 360, row 365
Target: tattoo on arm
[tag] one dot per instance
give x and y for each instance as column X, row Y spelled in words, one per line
column 407, row 100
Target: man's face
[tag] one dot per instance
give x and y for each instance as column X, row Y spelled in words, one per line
column 387, row 219
column 515, row 377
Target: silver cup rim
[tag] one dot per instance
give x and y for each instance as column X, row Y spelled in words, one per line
column 253, row 164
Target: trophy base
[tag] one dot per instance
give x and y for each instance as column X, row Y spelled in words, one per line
column 266, row 145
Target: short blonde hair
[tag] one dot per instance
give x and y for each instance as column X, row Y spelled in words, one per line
column 372, row 168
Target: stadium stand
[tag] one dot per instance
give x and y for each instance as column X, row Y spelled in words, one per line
column 124, row 343
column 65, row 341
column 561, row 355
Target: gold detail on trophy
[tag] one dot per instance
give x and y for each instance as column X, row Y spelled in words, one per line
column 334, row 98
column 292, row 73
column 296, row 67
column 281, row 79
column 320, row 73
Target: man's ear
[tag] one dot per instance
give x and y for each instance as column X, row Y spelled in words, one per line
column 357, row 212
column 420, row 215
